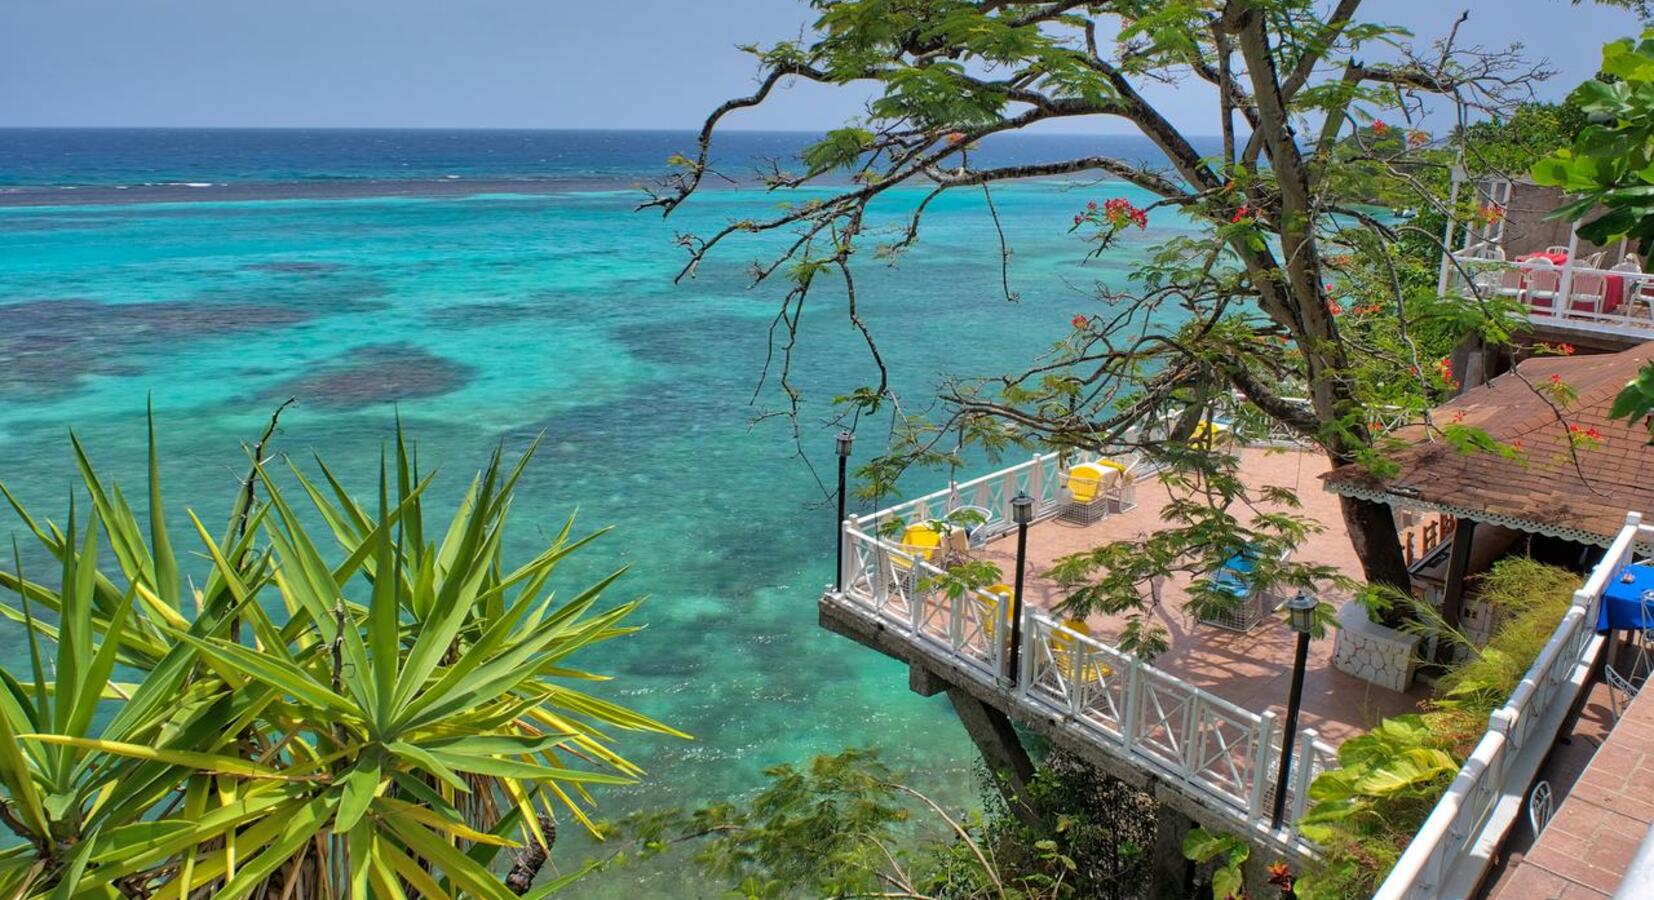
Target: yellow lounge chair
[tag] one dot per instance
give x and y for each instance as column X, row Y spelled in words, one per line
column 1086, row 497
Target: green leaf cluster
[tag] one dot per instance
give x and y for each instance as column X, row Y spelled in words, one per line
column 374, row 709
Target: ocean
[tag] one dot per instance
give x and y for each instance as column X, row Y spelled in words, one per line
column 493, row 287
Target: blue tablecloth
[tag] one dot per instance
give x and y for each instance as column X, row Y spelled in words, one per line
column 1622, row 601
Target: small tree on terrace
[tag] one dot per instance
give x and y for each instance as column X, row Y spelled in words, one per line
column 1294, row 314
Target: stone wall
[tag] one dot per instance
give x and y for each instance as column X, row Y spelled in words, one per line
column 1373, row 652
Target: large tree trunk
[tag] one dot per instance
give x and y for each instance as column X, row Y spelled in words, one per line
column 1372, row 528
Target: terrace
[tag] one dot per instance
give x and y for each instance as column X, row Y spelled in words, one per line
column 1200, row 724
column 1573, row 291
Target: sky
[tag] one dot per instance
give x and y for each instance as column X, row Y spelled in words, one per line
column 528, row 63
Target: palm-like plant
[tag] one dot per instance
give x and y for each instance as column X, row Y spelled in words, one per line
column 378, row 718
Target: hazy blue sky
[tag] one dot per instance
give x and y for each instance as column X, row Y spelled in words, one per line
column 517, row 63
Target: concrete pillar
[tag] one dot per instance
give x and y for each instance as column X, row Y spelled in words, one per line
column 1171, row 876
column 996, row 739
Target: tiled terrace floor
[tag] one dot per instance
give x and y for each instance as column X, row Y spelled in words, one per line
column 1252, row 670
column 1584, row 851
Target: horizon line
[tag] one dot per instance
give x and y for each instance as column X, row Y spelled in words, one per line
column 567, row 129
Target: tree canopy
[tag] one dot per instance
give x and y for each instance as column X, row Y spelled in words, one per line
column 1298, row 306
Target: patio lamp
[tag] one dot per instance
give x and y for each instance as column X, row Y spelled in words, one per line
column 1300, row 612
column 1022, row 513
column 845, row 440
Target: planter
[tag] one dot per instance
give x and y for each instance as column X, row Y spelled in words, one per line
column 1373, row 652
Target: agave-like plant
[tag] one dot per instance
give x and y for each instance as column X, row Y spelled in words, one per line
column 377, row 714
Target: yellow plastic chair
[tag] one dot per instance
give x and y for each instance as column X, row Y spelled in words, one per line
column 1003, row 596
column 1086, row 501
column 1208, row 434
column 920, row 541
column 1065, row 652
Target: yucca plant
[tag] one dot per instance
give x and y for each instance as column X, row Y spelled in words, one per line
column 374, row 714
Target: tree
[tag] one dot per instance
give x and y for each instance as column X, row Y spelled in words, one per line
column 1610, row 169
column 407, row 716
column 1282, row 210
column 846, row 825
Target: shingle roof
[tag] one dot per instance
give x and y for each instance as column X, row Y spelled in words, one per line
column 1581, row 495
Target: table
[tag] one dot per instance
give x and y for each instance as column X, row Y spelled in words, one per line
column 1622, row 603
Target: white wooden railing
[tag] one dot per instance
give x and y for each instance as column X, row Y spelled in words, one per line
column 1225, row 756
column 1473, row 275
column 1459, row 839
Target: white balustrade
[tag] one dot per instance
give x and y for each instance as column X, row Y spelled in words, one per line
column 1588, row 290
column 1450, row 844
column 1219, row 752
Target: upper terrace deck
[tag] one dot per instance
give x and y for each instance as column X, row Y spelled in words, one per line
column 1571, row 290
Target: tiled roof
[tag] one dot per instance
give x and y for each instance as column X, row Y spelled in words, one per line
column 1580, row 495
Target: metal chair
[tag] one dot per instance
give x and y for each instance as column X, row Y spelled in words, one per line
column 1618, row 685
column 1540, row 807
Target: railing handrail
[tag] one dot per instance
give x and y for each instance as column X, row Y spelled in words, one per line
column 1440, row 844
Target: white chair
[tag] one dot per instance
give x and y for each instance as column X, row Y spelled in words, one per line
column 1510, row 282
column 1642, row 664
column 1587, row 293
column 1618, row 687
column 1543, row 285
column 1539, row 807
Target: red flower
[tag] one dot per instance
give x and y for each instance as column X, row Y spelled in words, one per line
column 1566, row 349
column 1079, row 219
column 1380, row 128
column 1240, row 214
column 1556, row 378
column 956, row 137
column 1417, row 139
column 1091, row 206
column 1516, row 444
column 1079, row 322
column 1458, row 415
column 1334, row 308
column 1280, row 875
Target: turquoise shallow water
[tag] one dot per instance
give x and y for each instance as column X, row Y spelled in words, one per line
column 501, row 317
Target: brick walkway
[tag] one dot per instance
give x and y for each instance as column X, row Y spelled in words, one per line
column 1591, row 839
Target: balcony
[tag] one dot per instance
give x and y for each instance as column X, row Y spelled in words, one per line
column 1570, row 290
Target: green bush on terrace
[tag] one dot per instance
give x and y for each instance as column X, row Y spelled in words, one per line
column 1366, row 811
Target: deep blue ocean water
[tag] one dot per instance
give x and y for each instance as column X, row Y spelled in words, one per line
column 527, row 299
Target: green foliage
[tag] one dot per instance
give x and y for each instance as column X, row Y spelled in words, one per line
column 846, row 825
column 1229, row 853
column 1610, row 164
column 1365, row 811
column 404, row 713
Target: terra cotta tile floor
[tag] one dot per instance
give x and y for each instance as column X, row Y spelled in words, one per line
column 1252, row 670
column 1591, row 839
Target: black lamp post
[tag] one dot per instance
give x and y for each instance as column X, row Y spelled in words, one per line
column 845, row 439
column 1022, row 513
column 1301, row 613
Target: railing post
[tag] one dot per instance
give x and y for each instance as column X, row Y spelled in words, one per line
column 1447, row 234
column 881, row 575
column 1079, row 664
column 1036, row 483
column 1260, row 764
column 1134, row 702
column 1566, row 286
column 847, row 552
column 1030, row 645
column 1302, row 777
column 1193, row 734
